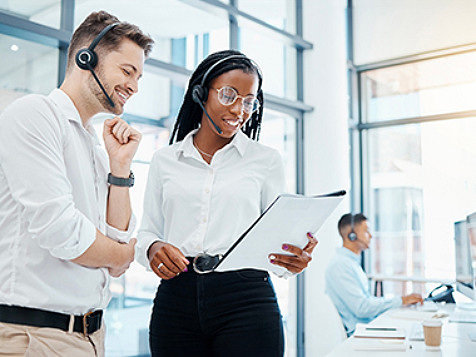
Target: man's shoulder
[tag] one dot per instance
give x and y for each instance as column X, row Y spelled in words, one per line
column 28, row 106
column 339, row 262
column 28, row 100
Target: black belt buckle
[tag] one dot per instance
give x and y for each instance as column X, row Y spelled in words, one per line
column 204, row 263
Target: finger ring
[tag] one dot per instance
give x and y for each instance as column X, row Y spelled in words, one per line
column 160, row 266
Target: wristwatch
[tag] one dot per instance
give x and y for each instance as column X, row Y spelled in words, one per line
column 120, row 181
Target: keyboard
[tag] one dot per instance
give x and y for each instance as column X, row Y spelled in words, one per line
column 416, row 332
column 463, row 316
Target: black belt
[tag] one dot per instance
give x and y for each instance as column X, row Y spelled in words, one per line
column 86, row 324
column 204, row 263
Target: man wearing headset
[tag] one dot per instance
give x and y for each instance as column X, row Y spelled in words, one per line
column 346, row 282
column 65, row 213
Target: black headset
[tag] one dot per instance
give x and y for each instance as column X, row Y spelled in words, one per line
column 200, row 91
column 352, row 235
column 86, row 58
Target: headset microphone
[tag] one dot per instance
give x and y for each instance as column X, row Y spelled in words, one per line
column 101, row 86
column 205, row 111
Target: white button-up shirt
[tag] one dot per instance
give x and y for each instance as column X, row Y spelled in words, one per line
column 202, row 208
column 53, row 195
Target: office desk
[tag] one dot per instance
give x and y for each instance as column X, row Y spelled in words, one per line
column 455, row 341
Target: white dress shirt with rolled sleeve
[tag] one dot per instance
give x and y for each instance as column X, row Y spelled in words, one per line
column 204, row 208
column 53, row 197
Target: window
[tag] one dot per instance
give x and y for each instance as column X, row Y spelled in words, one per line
column 27, row 68
column 45, row 12
column 278, row 131
column 183, row 34
column 279, row 70
column 438, row 86
column 278, row 13
column 419, row 177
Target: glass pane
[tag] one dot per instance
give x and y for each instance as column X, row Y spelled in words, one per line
column 128, row 314
column 421, row 179
column 437, row 86
column 27, row 67
column 159, row 98
column 278, row 13
column 45, row 12
column 183, row 34
column 278, row 130
column 279, row 70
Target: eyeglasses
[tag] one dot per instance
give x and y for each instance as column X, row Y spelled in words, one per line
column 228, row 95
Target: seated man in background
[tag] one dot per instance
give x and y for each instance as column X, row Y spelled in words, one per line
column 346, row 282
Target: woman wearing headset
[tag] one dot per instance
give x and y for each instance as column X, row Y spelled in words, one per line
column 203, row 191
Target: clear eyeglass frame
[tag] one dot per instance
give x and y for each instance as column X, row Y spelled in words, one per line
column 228, row 95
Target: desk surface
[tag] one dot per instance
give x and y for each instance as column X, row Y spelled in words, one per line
column 455, row 341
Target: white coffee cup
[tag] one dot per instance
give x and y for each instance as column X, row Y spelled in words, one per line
column 432, row 333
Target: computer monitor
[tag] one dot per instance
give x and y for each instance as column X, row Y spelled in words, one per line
column 463, row 258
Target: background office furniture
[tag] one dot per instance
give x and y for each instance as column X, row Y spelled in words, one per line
column 331, row 330
column 455, row 336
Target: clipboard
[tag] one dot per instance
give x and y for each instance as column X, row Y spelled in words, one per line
column 286, row 220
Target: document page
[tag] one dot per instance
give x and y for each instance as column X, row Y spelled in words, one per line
column 287, row 220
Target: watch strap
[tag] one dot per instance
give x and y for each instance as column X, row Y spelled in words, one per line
column 121, row 181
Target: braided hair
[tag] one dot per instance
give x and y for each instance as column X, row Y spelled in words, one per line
column 190, row 114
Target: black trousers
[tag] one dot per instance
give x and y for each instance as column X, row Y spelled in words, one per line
column 217, row 315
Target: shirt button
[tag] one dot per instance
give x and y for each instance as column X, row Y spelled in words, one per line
column 204, row 220
column 207, row 190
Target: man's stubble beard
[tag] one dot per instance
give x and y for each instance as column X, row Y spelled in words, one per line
column 99, row 94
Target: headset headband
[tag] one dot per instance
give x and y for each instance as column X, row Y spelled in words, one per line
column 204, row 78
column 101, row 35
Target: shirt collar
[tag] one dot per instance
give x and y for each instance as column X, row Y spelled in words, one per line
column 348, row 253
column 69, row 111
column 65, row 105
column 240, row 142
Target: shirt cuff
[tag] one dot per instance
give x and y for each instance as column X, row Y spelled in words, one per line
column 285, row 274
column 142, row 248
column 397, row 302
column 120, row 235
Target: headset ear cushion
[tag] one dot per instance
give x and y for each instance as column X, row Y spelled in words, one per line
column 352, row 236
column 86, row 59
column 199, row 93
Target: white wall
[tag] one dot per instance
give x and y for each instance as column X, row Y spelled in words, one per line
column 326, row 147
column 386, row 29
